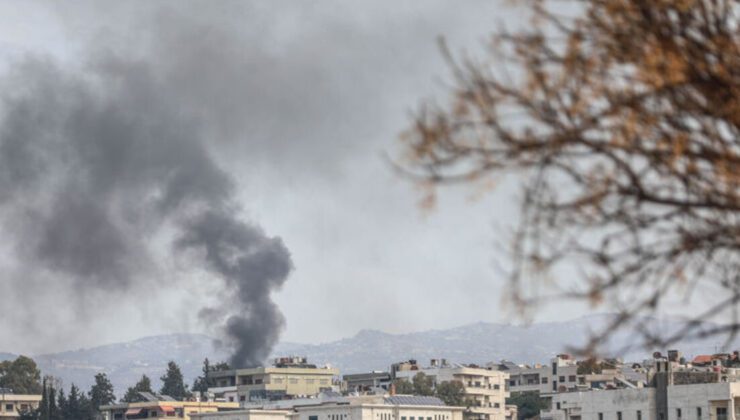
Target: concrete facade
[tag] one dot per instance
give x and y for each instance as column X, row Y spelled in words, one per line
column 617, row 404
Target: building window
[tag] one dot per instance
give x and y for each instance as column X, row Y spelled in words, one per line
column 496, row 386
column 496, row 405
column 639, row 415
column 310, row 381
column 601, row 416
column 544, row 380
column 313, row 417
column 8, row 407
column 678, row 413
column 512, row 383
column 554, row 368
column 698, row 413
column 242, row 398
column 557, row 406
column 572, row 378
column 619, row 415
column 293, row 380
column 721, row 413
column 561, row 379
column 554, row 386
column 402, row 418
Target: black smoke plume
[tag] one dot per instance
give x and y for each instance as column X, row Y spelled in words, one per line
column 97, row 163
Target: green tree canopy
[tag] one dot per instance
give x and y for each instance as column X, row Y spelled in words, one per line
column 203, row 382
column 21, row 375
column 101, row 392
column 132, row 393
column 423, row 384
column 173, row 383
column 76, row 406
column 528, row 404
column 403, row 387
column 451, row 392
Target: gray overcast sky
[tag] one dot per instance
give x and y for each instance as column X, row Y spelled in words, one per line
column 299, row 103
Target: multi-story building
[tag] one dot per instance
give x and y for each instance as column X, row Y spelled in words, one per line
column 288, row 378
column 485, row 389
column 162, row 409
column 353, row 408
column 12, row 405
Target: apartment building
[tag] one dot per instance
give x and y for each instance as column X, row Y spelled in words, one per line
column 485, row 389
column 562, row 375
column 12, row 405
column 289, row 377
column 352, row 408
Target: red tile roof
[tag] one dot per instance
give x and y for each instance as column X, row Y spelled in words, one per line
column 702, row 359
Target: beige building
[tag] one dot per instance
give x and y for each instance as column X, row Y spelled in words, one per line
column 287, row 378
column 163, row 409
column 11, row 405
column 485, row 389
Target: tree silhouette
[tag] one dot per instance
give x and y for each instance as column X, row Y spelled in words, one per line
column 623, row 118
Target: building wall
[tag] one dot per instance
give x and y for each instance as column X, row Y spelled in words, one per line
column 618, row 404
column 344, row 412
column 703, row 399
column 378, row 412
column 247, row 415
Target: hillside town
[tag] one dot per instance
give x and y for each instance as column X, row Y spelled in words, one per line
column 452, row 181
column 663, row 387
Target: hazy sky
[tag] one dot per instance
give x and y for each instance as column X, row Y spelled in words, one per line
column 299, row 103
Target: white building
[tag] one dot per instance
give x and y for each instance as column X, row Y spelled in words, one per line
column 703, row 401
column 616, row 404
column 361, row 408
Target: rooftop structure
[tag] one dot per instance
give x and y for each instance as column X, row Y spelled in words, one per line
column 161, row 409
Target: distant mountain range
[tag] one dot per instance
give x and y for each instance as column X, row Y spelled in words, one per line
column 368, row 350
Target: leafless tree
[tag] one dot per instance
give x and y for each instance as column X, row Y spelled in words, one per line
column 624, row 118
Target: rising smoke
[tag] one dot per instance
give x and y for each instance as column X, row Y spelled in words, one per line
column 96, row 164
